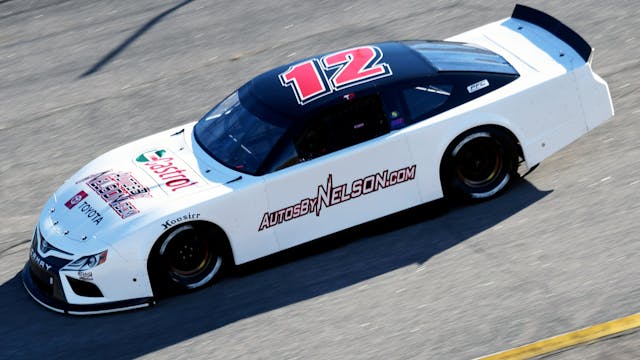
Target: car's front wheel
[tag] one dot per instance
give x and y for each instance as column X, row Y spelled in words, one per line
column 187, row 257
column 479, row 164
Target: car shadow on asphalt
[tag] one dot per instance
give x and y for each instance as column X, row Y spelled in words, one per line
column 342, row 260
column 111, row 55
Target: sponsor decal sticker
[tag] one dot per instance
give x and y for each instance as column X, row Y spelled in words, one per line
column 118, row 190
column 174, row 173
column 150, row 156
column 478, row 86
column 169, row 223
column 91, row 213
column 329, row 195
column 85, row 275
column 76, row 199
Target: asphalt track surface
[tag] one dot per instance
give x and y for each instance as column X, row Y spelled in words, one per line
column 558, row 252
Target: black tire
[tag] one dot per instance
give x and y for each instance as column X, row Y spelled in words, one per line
column 480, row 164
column 188, row 257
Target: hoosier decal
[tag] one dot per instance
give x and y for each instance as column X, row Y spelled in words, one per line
column 330, row 195
column 169, row 223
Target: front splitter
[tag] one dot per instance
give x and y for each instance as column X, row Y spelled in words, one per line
column 76, row 309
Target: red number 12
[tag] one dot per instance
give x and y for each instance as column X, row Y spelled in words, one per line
column 351, row 67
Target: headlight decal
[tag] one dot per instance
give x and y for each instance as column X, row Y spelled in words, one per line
column 87, row 262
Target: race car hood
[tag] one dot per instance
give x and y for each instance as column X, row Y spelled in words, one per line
column 134, row 184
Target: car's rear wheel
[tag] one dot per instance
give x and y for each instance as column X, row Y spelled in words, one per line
column 479, row 164
column 188, row 257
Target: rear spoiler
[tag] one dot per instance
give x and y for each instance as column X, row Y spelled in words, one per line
column 554, row 26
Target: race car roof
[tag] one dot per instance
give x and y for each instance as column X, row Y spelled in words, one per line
column 452, row 56
column 277, row 93
column 266, row 92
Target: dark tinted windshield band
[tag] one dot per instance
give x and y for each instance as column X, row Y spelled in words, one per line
column 259, row 108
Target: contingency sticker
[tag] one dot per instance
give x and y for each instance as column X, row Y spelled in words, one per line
column 478, row 86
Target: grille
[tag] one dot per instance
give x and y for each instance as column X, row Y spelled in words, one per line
column 42, row 278
column 44, row 269
column 45, row 247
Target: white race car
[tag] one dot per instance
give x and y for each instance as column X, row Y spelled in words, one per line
column 311, row 148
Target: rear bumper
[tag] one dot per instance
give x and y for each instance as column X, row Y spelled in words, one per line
column 45, row 289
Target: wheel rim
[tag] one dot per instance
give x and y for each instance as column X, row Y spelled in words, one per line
column 479, row 162
column 189, row 256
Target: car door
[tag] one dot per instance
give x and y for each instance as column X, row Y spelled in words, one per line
column 348, row 168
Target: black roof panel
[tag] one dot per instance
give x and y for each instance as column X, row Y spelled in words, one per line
column 267, row 93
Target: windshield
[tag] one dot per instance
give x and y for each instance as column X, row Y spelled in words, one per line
column 235, row 137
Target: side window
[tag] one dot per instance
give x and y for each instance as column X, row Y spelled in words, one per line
column 424, row 100
column 340, row 126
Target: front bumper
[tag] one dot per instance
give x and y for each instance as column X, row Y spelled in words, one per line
column 46, row 280
column 45, row 288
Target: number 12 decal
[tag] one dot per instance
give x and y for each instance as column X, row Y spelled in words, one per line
column 315, row 78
